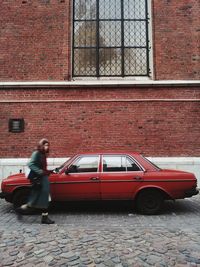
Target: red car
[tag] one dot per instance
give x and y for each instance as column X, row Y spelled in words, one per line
column 109, row 176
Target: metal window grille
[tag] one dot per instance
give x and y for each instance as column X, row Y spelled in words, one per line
column 110, row 38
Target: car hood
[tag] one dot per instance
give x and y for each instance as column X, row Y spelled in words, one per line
column 16, row 176
column 174, row 171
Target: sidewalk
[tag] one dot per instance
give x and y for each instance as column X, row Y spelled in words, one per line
column 102, row 235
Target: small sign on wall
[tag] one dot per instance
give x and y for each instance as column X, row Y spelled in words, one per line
column 16, row 125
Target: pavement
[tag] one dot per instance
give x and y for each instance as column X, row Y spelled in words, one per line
column 109, row 234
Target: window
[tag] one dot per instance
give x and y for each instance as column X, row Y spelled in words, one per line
column 16, row 125
column 119, row 164
column 85, row 164
column 110, row 38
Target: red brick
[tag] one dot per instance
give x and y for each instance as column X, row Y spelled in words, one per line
column 36, row 40
column 154, row 128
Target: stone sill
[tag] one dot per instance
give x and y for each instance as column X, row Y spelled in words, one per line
column 100, row 83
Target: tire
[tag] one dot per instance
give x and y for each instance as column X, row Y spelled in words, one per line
column 20, row 197
column 149, row 202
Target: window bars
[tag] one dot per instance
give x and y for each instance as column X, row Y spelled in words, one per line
column 110, row 38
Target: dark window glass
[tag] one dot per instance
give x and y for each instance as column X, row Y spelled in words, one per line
column 110, row 38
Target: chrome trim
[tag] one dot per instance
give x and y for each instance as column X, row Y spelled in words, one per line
column 104, row 181
column 19, row 185
column 92, row 173
column 77, row 182
column 120, row 181
column 145, row 181
column 182, row 180
column 124, row 172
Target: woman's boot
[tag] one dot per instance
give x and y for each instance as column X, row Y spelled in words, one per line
column 45, row 219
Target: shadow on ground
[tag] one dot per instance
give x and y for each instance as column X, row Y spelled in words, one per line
column 112, row 207
column 121, row 207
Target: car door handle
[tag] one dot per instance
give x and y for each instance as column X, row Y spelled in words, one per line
column 138, row 178
column 94, row 178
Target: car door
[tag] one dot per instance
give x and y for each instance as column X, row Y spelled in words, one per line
column 53, row 178
column 81, row 181
column 120, row 177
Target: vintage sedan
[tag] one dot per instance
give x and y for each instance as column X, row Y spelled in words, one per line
column 109, row 176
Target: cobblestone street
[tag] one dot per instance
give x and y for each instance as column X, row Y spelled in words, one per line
column 102, row 234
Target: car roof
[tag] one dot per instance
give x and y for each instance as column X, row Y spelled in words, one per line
column 109, row 153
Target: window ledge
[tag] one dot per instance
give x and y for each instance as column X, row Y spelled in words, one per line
column 100, row 83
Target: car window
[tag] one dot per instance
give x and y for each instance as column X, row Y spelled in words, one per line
column 114, row 163
column 86, row 164
column 119, row 164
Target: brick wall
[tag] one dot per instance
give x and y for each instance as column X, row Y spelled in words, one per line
column 160, row 121
column 176, row 39
column 35, row 39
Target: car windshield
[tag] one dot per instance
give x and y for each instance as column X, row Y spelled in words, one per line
column 58, row 169
column 151, row 163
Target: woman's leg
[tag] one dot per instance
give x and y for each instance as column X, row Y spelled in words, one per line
column 46, row 191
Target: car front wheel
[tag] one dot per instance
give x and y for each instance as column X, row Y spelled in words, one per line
column 149, row 202
column 20, row 197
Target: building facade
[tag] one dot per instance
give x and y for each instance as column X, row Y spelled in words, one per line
column 100, row 75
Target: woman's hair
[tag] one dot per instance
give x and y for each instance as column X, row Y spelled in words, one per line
column 41, row 144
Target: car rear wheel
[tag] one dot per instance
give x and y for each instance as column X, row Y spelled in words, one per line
column 20, row 197
column 149, row 202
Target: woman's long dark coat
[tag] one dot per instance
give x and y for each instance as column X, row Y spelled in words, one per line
column 39, row 197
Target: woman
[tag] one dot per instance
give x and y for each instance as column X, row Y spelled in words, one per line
column 40, row 193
